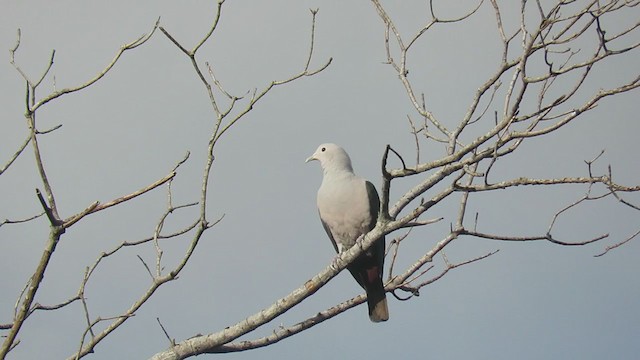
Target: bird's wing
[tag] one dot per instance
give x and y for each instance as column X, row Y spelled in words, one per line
column 328, row 230
column 374, row 203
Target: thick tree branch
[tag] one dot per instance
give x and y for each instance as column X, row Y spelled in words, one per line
column 32, row 288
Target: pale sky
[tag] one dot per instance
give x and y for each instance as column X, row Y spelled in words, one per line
column 531, row 300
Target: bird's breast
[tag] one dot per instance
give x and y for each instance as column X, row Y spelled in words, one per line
column 345, row 209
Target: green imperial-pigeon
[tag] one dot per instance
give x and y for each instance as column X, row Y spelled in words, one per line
column 348, row 207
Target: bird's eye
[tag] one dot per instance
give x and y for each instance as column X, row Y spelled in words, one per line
column 323, row 149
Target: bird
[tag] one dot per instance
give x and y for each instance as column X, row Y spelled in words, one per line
column 348, row 206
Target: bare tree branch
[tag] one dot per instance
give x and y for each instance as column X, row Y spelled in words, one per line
column 25, row 304
column 617, row 245
column 130, row 46
column 207, row 342
column 96, row 206
column 15, row 155
column 19, row 221
column 33, row 285
column 538, row 86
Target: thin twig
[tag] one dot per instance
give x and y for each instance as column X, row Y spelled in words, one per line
column 617, row 245
column 172, row 341
column 20, row 221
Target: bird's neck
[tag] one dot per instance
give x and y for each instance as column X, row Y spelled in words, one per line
column 337, row 173
column 341, row 168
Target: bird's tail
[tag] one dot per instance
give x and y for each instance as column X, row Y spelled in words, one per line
column 377, row 302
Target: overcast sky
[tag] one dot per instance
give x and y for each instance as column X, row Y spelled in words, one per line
column 529, row 301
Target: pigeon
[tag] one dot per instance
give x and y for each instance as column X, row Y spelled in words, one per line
column 348, row 207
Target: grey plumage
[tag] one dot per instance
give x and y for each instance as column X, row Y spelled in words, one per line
column 348, row 207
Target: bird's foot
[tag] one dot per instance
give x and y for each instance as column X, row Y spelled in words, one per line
column 335, row 263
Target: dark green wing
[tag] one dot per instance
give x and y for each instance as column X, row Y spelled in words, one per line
column 374, row 204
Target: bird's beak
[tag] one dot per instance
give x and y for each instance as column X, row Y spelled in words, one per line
column 310, row 158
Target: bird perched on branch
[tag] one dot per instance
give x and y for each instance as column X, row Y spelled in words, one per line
column 348, row 207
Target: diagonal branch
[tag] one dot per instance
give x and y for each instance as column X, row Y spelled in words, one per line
column 15, row 154
column 96, row 206
column 129, row 46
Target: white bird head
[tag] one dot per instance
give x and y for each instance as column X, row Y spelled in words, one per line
column 332, row 157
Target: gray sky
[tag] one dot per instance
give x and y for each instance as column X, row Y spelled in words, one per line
column 529, row 301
